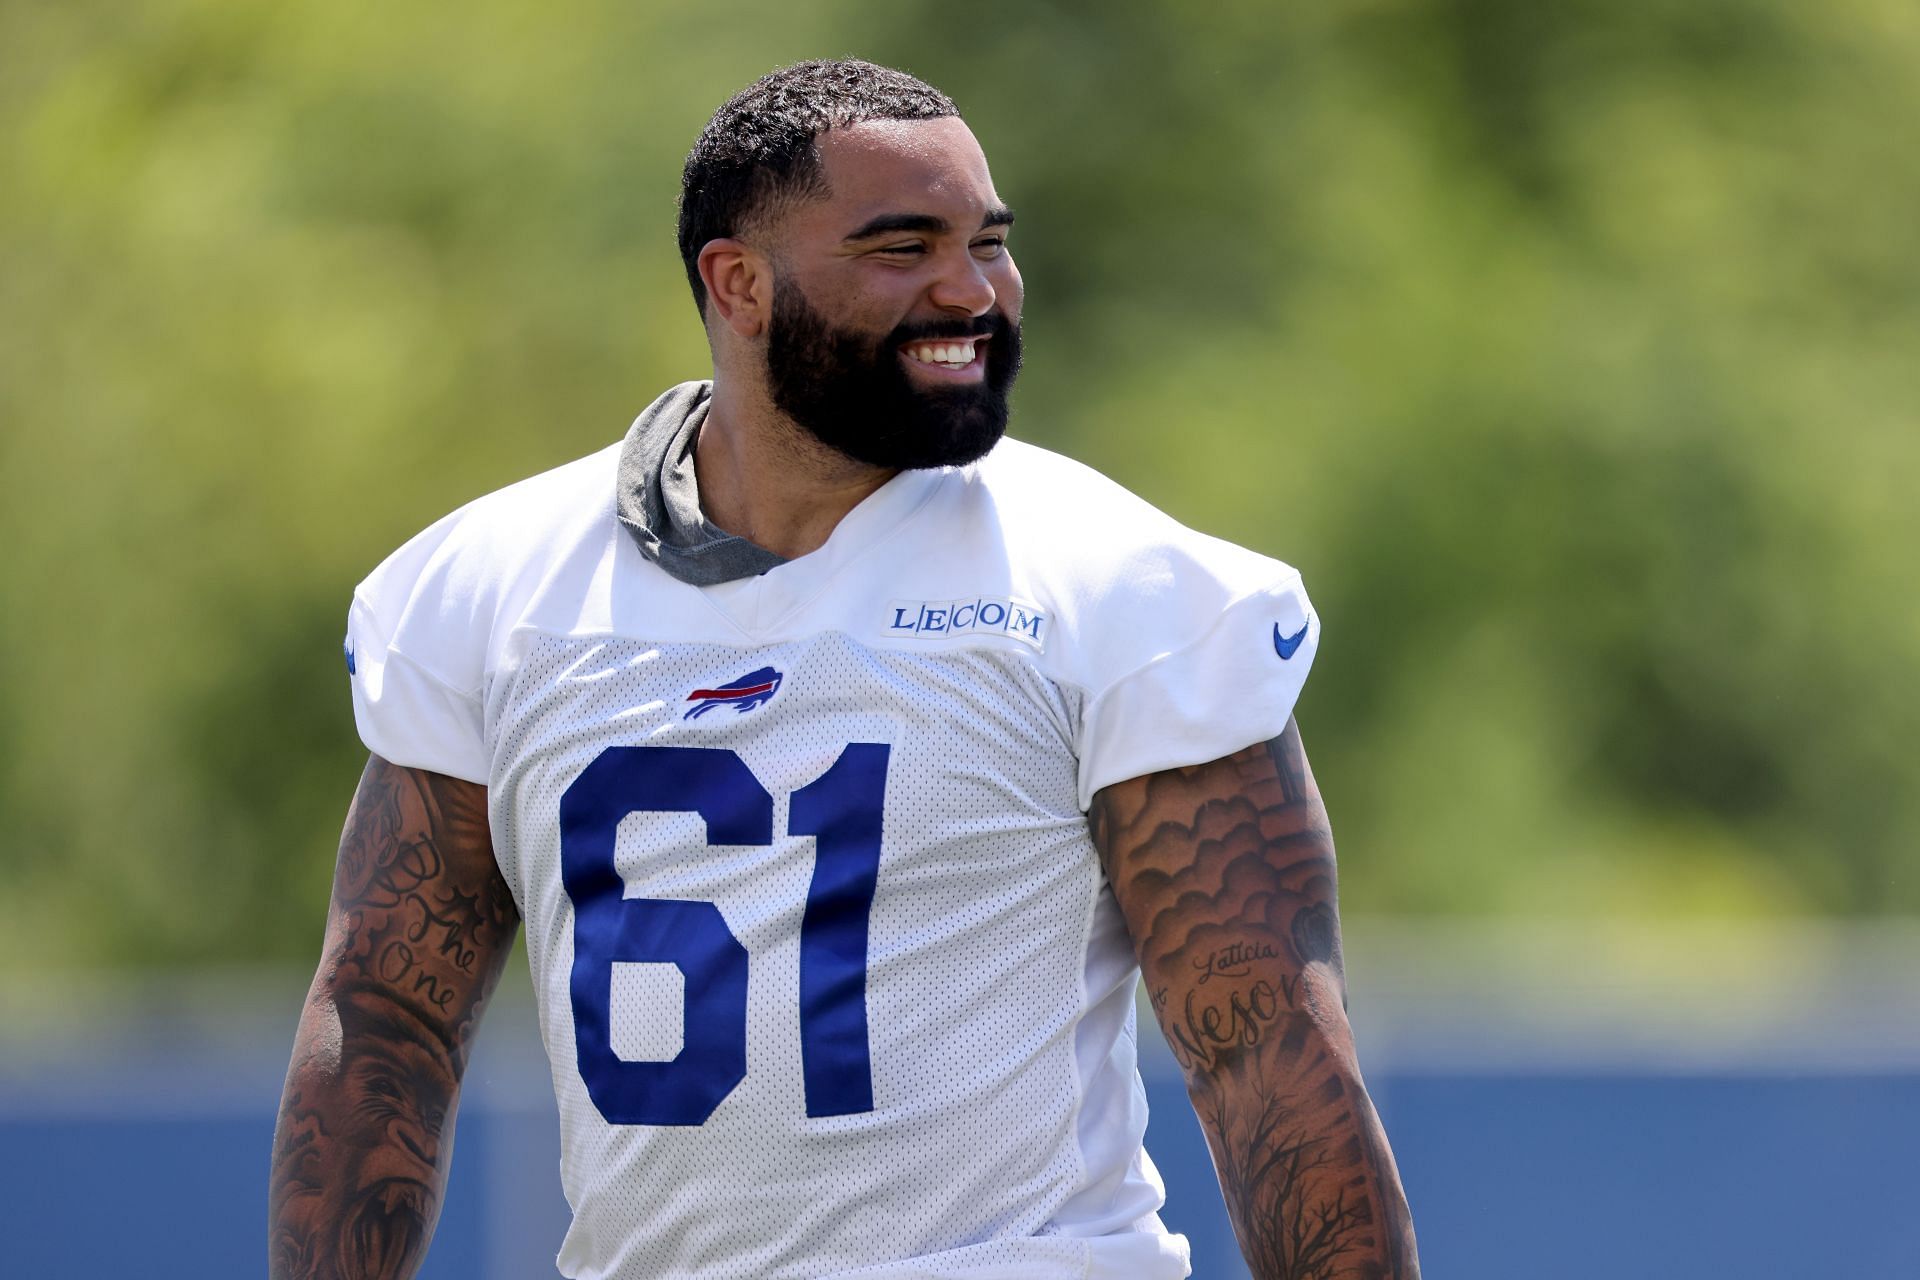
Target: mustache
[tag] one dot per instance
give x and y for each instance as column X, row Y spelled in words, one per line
column 991, row 325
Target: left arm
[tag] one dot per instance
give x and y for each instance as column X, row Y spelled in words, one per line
column 1225, row 875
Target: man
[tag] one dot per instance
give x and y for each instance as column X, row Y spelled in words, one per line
column 842, row 760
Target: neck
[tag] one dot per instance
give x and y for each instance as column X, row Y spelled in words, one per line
column 766, row 479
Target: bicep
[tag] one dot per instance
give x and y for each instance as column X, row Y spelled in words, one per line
column 1225, row 875
column 421, row 921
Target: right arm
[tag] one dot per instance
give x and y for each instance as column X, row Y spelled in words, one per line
column 419, row 929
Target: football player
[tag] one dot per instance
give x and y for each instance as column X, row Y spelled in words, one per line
column 848, row 765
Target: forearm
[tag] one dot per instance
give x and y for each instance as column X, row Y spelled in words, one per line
column 364, row 1138
column 1304, row 1166
column 418, row 932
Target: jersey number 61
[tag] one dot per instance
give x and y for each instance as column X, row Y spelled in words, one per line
column 841, row 810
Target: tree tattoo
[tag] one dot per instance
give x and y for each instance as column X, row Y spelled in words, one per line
column 1225, row 874
column 419, row 929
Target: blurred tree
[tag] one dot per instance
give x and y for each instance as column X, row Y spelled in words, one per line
column 1568, row 349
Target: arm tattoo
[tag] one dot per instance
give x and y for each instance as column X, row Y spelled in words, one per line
column 420, row 927
column 1225, row 874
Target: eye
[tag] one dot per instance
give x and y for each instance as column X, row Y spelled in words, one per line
column 902, row 250
column 990, row 246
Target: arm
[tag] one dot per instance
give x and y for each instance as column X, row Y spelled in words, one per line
column 419, row 929
column 1225, row 875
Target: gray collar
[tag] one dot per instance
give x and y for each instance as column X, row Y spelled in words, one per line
column 659, row 496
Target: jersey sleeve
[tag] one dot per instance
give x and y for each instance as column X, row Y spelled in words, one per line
column 1228, row 687
column 415, row 652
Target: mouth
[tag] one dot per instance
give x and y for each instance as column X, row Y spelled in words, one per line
column 948, row 359
column 388, row 1225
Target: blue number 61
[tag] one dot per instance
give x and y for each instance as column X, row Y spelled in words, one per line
column 841, row 809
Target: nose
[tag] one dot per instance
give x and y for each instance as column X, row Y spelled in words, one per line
column 964, row 288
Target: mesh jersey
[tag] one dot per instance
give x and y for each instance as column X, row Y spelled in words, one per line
column 826, row 967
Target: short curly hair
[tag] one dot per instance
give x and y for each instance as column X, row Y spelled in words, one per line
column 758, row 152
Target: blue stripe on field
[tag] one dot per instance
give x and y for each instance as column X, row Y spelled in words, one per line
column 1570, row 1177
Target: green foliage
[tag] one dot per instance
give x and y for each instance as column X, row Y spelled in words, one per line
column 1568, row 349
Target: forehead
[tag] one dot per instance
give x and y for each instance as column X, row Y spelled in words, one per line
column 899, row 166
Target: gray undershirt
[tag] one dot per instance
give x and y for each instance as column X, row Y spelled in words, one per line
column 659, row 496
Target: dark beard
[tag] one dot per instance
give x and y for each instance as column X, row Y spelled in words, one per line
column 852, row 394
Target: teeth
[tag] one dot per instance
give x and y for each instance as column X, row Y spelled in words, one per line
column 953, row 355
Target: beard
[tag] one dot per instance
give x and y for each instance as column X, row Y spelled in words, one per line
column 853, row 393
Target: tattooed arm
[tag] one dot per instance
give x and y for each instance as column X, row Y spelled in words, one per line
column 1225, row 875
column 420, row 926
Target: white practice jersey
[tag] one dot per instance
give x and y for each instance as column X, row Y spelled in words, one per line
column 829, row 975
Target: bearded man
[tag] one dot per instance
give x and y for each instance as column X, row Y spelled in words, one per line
column 849, row 765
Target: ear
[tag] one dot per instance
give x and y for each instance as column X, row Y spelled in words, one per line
column 739, row 282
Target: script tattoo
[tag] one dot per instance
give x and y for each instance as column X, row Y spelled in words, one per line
column 420, row 926
column 1225, row 874
column 1233, row 960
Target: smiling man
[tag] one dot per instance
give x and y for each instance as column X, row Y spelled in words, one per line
column 849, row 765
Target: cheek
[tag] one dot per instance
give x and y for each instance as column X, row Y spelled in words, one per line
column 878, row 302
column 851, row 289
column 1010, row 290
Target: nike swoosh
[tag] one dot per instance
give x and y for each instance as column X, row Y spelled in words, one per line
column 1287, row 646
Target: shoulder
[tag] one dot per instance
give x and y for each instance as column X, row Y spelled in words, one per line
column 1187, row 646
column 1089, row 530
column 486, row 544
column 1127, row 581
column 426, row 626
column 445, row 588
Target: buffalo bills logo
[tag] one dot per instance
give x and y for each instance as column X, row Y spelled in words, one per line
column 744, row 694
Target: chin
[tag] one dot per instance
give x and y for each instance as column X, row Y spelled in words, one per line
column 951, row 436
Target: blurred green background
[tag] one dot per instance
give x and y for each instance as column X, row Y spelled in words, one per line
column 1570, row 350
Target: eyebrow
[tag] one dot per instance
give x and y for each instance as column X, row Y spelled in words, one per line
column 893, row 222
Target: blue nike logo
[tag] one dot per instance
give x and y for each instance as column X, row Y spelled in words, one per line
column 1287, row 646
column 348, row 648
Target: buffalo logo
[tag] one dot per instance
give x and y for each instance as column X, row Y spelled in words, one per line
column 744, row 694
